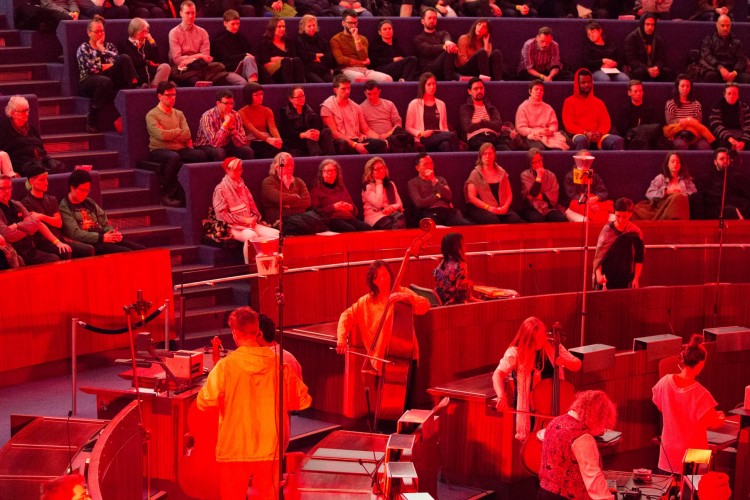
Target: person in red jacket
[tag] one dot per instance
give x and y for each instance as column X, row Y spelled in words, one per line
column 586, row 118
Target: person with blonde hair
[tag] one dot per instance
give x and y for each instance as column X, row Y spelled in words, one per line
column 141, row 47
column 383, row 208
column 314, row 51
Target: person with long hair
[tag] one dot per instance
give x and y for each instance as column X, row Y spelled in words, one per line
column 487, row 190
column 528, row 360
column 331, row 200
column 382, row 205
column 570, row 457
column 427, row 118
column 476, row 56
column 278, row 56
column 618, row 260
column 669, row 192
column 684, row 116
column 452, row 282
column 234, row 205
column 687, row 408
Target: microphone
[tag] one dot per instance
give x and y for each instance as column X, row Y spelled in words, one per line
column 281, row 162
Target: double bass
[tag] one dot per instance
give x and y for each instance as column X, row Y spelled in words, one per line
column 391, row 377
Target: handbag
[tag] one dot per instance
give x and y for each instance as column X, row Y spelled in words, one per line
column 214, row 229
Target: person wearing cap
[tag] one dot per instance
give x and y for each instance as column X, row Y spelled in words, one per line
column 45, row 209
column 17, row 227
column 86, row 222
column 234, row 205
column 259, row 123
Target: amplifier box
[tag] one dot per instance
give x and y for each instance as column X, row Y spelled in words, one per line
column 595, row 357
column 658, row 346
column 729, row 338
column 186, row 365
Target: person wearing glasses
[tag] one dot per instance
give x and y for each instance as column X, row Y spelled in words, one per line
column 302, row 129
column 221, row 133
column 170, row 143
column 350, row 51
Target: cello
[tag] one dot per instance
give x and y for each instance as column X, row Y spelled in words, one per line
column 396, row 348
column 548, row 397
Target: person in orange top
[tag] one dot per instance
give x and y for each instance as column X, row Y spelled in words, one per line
column 243, row 386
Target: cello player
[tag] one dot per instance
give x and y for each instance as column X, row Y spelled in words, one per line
column 365, row 314
column 528, row 360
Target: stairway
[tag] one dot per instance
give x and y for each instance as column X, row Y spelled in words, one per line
column 30, row 64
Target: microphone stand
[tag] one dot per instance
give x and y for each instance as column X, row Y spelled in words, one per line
column 583, row 163
column 722, row 227
column 280, row 302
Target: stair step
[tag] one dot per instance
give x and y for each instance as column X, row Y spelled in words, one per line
column 186, row 273
column 100, row 160
column 51, row 123
column 23, row 72
column 154, row 236
column 54, row 106
column 115, row 178
column 128, row 197
column 138, row 217
column 42, row 88
column 81, row 141
column 204, row 319
column 11, row 55
column 3, row 21
column 184, row 255
column 9, row 38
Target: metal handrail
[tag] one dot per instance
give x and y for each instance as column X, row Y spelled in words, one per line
column 487, row 253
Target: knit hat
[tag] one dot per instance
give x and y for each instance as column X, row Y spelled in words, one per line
column 228, row 163
column 35, row 170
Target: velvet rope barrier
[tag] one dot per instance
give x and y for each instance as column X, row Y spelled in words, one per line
column 118, row 331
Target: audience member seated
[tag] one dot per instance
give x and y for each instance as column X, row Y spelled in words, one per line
column 259, row 123
column 601, row 55
column 220, row 131
column 6, row 167
column 116, row 9
column 141, row 48
column 302, row 130
column 724, row 56
column 710, row 10
column 479, row 8
column 432, row 195
column 442, row 6
column 536, row 121
column 475, row 54
column 18, row 227
column 85, row 222
column 585, row 117
column 331, row 200
column 660, row 8
column 487, row 191
column 525, row 8
column 559, row 9
column 639, row 124
column 277, row 55
column 540, row 58
column 314, row 51
column 646, row 53
column 234, row 205
column 436, row 52
column 190, row 52
column 388, row 56
column 151, row 9
column 382, row 117
column 232, row 49
column 669, row 192
column 317, row 8
column 711, row 188
column 611, row 9
column 339, row 6
column 380, row 200
column 481, row 121
column 45, row 209
column 103, row 72
column 600, row 209
column 350, row 51
column 730, row 119
column 58, row 10
column 282, row 190
column 427, row 118
column 452, row 282
column 170, row 143
column 351, row 134
column 279, row 8
column 540, row 191
column 684, row 116
column 22, row 142
column 618, row 260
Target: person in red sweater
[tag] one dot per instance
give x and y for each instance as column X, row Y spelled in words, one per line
column 586, row 118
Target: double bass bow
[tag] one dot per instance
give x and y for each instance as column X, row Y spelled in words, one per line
column 396, row 346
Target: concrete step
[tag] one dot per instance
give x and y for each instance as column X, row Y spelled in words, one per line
column 184, row 255
column 42, row 88
column 3, row 21
column 100, row 159
column 78, row 141
column 115, row 178
column 128, row 197
column 154, row 236
column 11, row 55
column 138, row 217
column 54, row 106
column 10, row 38
column 204, row 319
column 53, row 124
column 23, row 72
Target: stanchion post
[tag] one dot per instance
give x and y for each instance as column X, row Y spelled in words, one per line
column 166, row 325
column 74, row 365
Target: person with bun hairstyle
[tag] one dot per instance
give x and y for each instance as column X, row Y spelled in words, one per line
column 687, row 408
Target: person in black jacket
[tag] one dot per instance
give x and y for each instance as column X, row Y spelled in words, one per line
column 234, row 51
column 314, row 51
column 639, row 124
column 387, row 55
column 141, row 48
column 722, row 53
column 301, row 128
column 645, row 53
column 600, row 53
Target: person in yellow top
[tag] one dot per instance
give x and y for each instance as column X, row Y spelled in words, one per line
column 243, row 386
